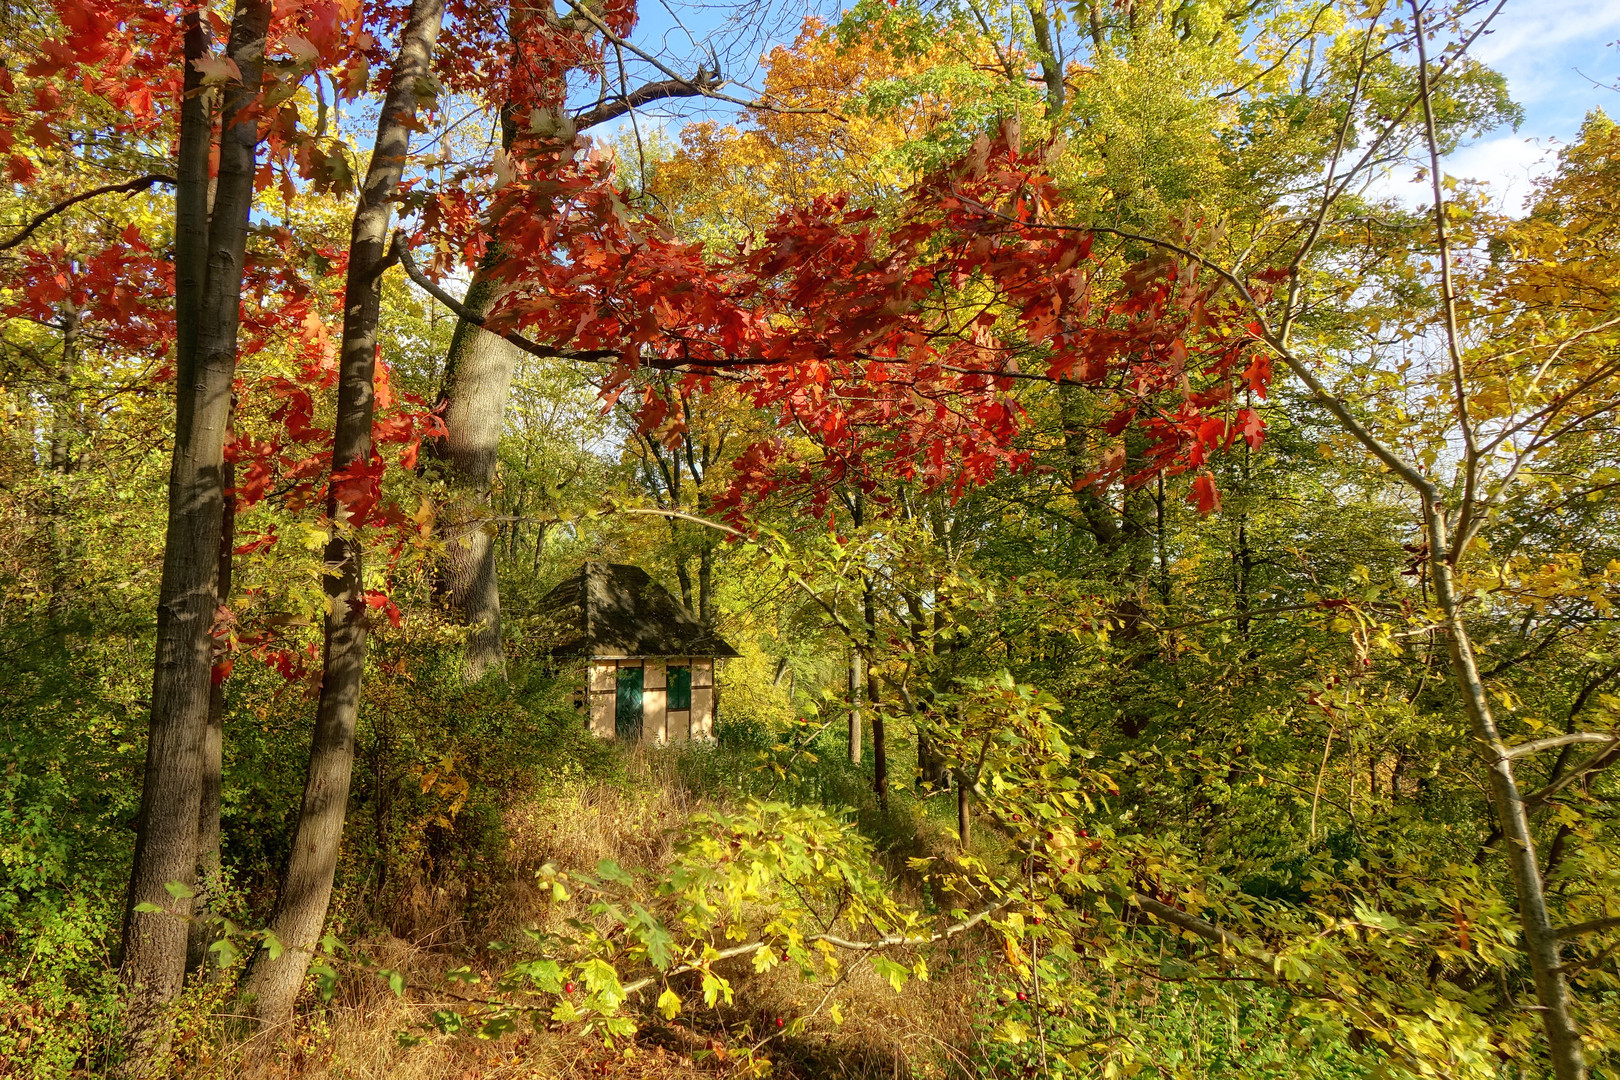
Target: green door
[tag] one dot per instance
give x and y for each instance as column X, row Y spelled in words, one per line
column 628, row 719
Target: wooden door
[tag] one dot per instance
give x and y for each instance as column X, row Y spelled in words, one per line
column 627, row 723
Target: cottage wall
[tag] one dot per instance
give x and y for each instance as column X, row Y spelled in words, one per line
column 702, row 718
column 659, row 723
column 654, row 696
column 604, row 697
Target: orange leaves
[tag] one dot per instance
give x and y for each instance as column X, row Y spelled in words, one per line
column 1258, row 373
column 1204, row 495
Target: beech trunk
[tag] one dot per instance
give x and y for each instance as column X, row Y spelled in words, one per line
column 209, row 257
column 306, row 885
column 477, row 383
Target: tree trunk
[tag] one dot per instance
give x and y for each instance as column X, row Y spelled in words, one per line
column 208, row 302
column 306, row 886
column 204, row 922
column 477, row 382
column 705, row 608
column 1540, row 938
column 683, row 578
column 880, row 741
column 63, row 460
column 854, row 688
column 964, row 808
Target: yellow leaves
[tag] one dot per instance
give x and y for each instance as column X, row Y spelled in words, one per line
column 669, row 1004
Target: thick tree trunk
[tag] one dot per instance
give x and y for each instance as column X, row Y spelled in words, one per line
column 154, row 942
column 1540, row 938
column 306, row 886
column 477, row 382
column 204, row 926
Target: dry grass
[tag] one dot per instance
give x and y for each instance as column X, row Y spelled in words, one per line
column 924, row 1032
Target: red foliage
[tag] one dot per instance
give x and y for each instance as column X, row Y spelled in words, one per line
column 896, row 349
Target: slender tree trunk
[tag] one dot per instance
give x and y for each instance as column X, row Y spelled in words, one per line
column 1051, row 66
column 880, row 739
column 1540, row 938
column 683, row 578
column 63, row 460
column 964, row 808
column 154, row 942
column 203, row 925
column 705, row 581
column 854, row 688
column 477, row 383
column 306, row 886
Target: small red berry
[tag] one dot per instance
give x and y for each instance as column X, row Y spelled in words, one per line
column 568, row 988
column 1037, row 920
column 778, row 1021
column 1022, row 996
column 1084, row 833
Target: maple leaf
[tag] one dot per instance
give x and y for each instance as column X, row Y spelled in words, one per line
column 217, row 69
column 1204, row 494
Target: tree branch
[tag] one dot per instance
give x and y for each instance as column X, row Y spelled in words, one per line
column 697, row 86
column 1591, row 926
column 1556, row 741
column 128, row 187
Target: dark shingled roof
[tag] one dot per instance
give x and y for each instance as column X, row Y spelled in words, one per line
column 611, row 609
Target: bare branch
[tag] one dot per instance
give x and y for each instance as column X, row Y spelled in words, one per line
column 1553, row 743
column 698, row 85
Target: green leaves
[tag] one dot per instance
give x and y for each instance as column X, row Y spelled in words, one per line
column 894, row 973
column 603, row 982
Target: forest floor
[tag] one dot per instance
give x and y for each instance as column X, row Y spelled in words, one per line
column 857, row 1027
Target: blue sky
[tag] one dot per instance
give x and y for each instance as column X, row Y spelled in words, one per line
column 1552, row 52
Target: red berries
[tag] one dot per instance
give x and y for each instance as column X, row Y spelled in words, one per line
column 1036, row 920
column 778, row 1021
column 568, row 988
column 1084, row 833
column 1022, row 996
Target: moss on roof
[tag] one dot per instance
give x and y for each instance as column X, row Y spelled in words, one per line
column 614, row 609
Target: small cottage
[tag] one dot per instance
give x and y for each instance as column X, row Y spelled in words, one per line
column 649, row 663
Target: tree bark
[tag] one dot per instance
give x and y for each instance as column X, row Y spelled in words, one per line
column 306, row 885
column 477, row 383
column 204, row 924
column 208, row 302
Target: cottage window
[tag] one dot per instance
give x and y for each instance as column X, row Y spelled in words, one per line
column 680, row 687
